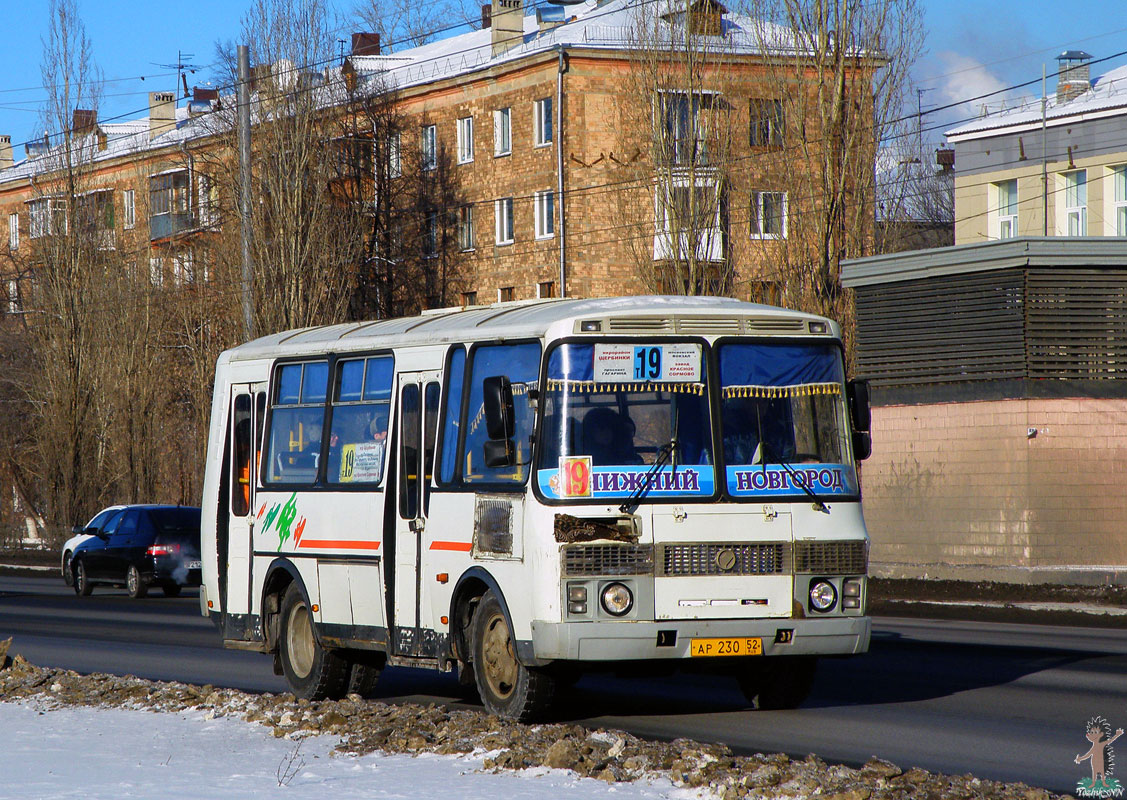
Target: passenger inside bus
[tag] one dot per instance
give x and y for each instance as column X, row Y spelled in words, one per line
column 608, row 438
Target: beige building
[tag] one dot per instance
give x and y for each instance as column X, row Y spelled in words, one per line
column 1053, row 170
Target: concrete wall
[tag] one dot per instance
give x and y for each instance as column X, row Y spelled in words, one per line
column 961, row 490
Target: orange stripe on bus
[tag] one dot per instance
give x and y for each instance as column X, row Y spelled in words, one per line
column 461, row 547
column 339, row 543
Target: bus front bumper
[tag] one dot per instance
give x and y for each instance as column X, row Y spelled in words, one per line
column 671, row 639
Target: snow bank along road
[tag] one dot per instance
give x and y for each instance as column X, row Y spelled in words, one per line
column 1005, row 702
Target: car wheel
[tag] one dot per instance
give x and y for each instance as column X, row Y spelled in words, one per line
column 135, row 584
column 507, row 687
column 82, row 585
column 779, row 683
column 171, row 589
column 313, row 672
column 68, row 570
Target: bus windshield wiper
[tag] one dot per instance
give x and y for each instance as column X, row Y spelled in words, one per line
column 663, row 455
column 765, row 453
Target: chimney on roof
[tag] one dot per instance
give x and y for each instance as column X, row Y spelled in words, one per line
column 365, row 44
column 506, row 25
column 1073, row 78
column 945, row 158
column 162, row 113
column 486, row 16
column 6, row 157
column 84, row 120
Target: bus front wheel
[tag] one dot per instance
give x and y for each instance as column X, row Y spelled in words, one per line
column 507, row 687
column 313, row 672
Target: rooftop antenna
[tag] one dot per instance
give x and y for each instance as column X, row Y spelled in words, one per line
column 180, row 66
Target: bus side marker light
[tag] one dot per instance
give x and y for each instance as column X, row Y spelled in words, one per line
column 444, row 620
column 316, row 608
column 442, row 577
column 210, row 604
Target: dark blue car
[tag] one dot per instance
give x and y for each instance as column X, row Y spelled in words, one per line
column 139, row 547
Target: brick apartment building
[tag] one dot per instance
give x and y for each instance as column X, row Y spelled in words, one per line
column 538, row 116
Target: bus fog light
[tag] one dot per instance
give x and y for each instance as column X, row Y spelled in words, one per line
column 823, row 596
column 617, row 599
column 851, row 602
column 851, row 589
column 577, row 608
column 576, row 593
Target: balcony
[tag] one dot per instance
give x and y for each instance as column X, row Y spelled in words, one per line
column 163, row 226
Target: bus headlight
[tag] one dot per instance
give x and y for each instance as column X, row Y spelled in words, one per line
column 617, row 599
column 823, row 595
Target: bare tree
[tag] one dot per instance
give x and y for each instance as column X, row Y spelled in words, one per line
column 402, row 25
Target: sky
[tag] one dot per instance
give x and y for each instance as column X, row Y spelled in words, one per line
column 970, row 48
column 117, row 754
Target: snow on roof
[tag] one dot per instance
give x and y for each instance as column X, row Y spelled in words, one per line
column 608, row 26
column 1108, row 92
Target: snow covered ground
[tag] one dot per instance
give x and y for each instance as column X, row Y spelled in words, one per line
column 95, row 753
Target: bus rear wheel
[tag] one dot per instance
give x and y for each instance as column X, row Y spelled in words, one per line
column 507, row 687
column 313, row 672
column 778, row 683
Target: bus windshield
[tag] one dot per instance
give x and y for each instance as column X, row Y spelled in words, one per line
column 611, row 410
column 782, row 406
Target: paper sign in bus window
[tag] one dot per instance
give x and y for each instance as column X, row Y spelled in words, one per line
column 361, row 462
column 575, row 476
column 654, row 363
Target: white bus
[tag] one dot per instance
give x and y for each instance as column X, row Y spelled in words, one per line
column 527, row 490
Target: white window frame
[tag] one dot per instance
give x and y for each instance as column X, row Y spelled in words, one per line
column 394, row 162
column 41, row 215
column 503, row 221
column 156, row 270
column 1075, row 197
column 14, row 232
column 544, row 214
column 542, row 122
column 465, row 140
column 502, row 132
column 1007, row 211
column 428, row 147
column 128, row 209
column 757, row 198
column 205, row 204
column 1117, row 219
column 13, row 296
column 466, row 242
column 711, row 245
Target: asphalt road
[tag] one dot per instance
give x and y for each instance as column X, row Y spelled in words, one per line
column 1001, row 701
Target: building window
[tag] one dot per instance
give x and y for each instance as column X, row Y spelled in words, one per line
column 1119, row 199
column 682, row 132
column 394, row 163
column 465, row 228
column 505, row 294
column 544, row 207
column 503, row 211
column 47, row 216
column 465, row 140
column 688, row 221
column 430, row 235
column 96, row 218
column 766, row 123
column 1007, row 209
column 1076, row 203
column 502, row 132
column 542, row 121
column 128, row 209
column 13, row 296
column 546, row 290
column 183, row 268
column 156, row 270
column 208, row 197
column 169, row 199
column 469, row 298
column 13, row 232
column 768, row 215
column 429, row 147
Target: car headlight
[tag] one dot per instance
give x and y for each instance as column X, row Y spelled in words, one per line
column 617, row 599
column 823, row 596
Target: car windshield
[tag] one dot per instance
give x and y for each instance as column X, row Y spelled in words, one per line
column 611, row 410
column 782, row 405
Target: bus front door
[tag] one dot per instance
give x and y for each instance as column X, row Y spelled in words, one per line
column 236, row 548
column 417, row 427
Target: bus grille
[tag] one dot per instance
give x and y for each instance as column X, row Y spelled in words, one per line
column 725, row 558
column 832, row 558
column 608, row 559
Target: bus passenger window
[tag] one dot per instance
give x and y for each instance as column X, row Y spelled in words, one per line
column 451, row 419
column 361, row 404
column 521, row 363
column 296, row 418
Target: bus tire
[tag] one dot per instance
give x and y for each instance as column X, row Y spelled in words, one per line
column 363, row 676
column 313, row 672
column 779, row 683
column 507, row 688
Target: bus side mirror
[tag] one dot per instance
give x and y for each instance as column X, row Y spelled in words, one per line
column 500, row 422
column 862, row 445
column 497, row 397
column 858, row 393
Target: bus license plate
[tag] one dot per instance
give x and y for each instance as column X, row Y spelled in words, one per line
column 743, row 646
